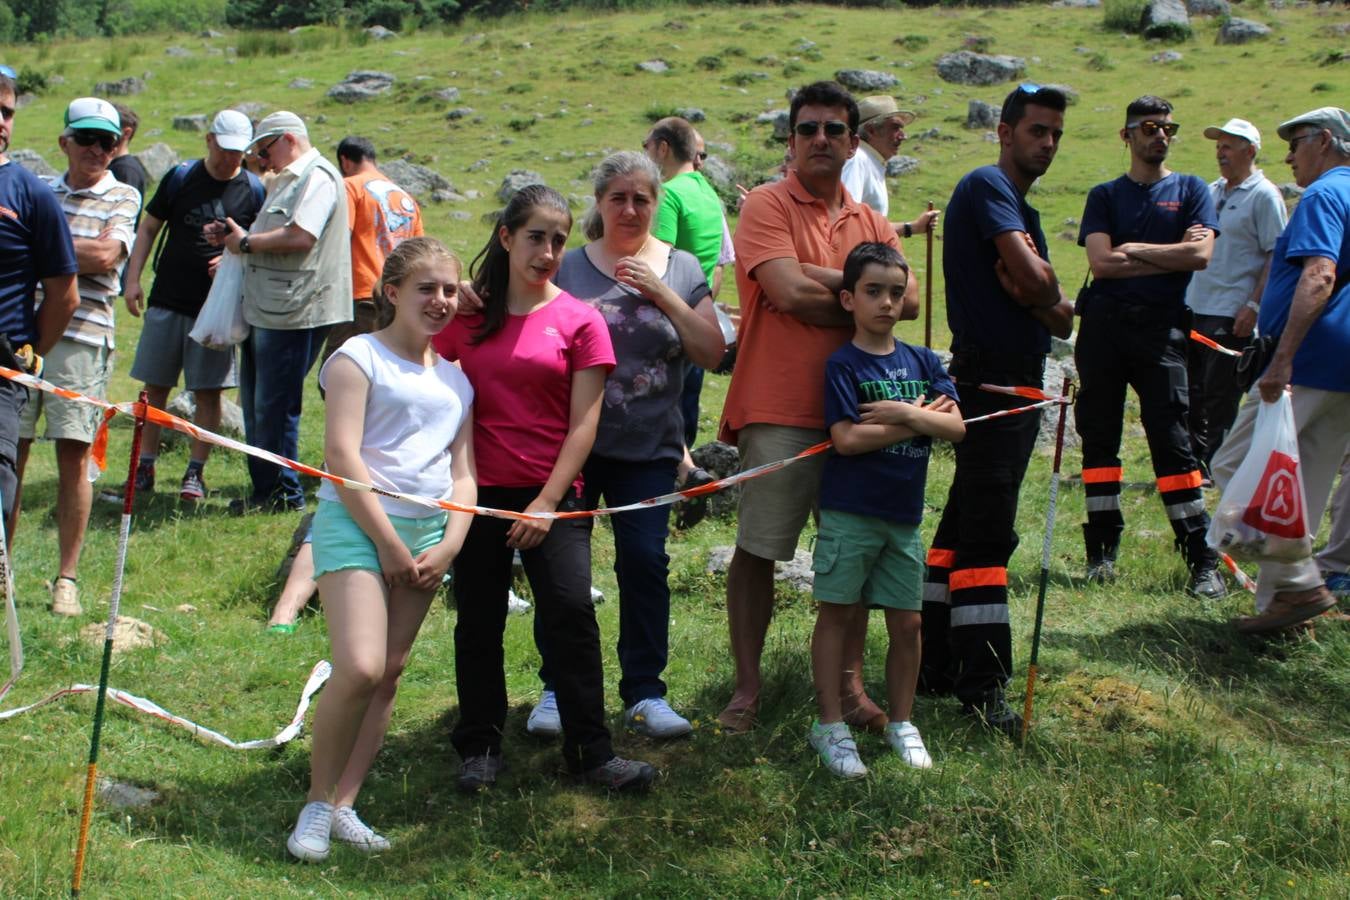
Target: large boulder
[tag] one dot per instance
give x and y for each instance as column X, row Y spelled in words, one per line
column 796, row 573
column 866, row 81
column 184, row 406
column 158, row 159
column 1166, row 19
column 778, row 118
column 380, row 33
column 719, row 174
column 901, row 165
column 691, row 114
column 196, row 122
column 720, row 460
column 655, row 66
column 1240, row 31
column 1056, row 368
column 966, row 67
column 515, row 180
column 34, row 162
column 123, row 88
column 361, row 85
column 417, row 180
column 981, row 115
column 1208, row 7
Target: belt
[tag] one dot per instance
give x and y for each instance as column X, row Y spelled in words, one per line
column 977, row 360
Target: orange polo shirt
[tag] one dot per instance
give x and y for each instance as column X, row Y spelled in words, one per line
column 779, row 377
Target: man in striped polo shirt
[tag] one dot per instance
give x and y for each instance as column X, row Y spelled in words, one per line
column 101, row 213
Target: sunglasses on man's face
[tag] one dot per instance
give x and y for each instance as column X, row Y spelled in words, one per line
column 105, row 140
column 1149, row 128
column 833, row 128
column 262, row 151
column 702, row 156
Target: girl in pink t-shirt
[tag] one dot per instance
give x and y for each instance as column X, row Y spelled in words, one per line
column 537, row 359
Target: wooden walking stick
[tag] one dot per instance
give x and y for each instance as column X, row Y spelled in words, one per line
column 1045, row 562
column 91, row 777
column 928, row 287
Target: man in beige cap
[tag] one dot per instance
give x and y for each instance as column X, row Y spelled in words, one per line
column 881, row 131
column 297, row 284
column 1305, row 314
column 1225, row 296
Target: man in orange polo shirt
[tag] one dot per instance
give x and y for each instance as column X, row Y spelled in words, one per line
column 791, row 244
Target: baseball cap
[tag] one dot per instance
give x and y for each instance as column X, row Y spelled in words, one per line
column 280, row 122
column 93, row 113
column 1237, row 128
column 232, row 129
column 882, row 106
column 1332, row 118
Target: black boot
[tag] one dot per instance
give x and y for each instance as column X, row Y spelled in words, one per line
column 1206, row 580
column 1101, row 555
column 992, row 711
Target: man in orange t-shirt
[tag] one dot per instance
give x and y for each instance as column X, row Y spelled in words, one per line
column 381, row 215
column 791, row 244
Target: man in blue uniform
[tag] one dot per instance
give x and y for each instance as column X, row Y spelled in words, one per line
column 1003, row 303
column 1145, row 233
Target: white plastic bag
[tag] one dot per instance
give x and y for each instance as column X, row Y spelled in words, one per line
column 1262, row 515
column 220, row 324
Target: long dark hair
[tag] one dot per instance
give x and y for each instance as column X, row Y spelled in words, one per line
column 491, row 268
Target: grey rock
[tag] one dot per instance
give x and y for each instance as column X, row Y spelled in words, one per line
column 1240, row 31
column 460, row 215
column 1071, row 222
column 177, row 52
column 719, row 173
column 478, row 165
column 901, row 165
column 380, row 33
column 586, row 122
column 720, row 460
column 990, row 137
column 1167, row 56
column 416, row 180
column 448, row 94
column 796, row 573
column 1290, row 191
column 515, row 180
column 55, row 80
column 472, row 195
column 965, row 67
column 477, row 38
column 300, row 84
column 211, row 33
column 251, row 108
column 1070, row 95
column 803, row 45
column 655, row 66
column 197, row 123
column 459, row 112
column 1208, row 7
column 34, row 162
column 778, row 118
column 320, row 119
column 24, row 99
column 120, row 795
column 691, row 114
column 866, row 80
column 442, row 195
column 184, row 406
column 158, row 159
column 1056, row 368
column 361, row 85
column 123, row 88
column 1166, row 19
column 1076, row 4
column 981, row 115
column 720, row 147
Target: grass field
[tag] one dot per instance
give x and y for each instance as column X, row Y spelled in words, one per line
column 1172, row 757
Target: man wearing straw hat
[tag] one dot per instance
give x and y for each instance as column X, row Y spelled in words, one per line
column 881, row 131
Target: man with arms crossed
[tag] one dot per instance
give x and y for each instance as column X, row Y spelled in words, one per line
column 791, row 243
column 1003, row 303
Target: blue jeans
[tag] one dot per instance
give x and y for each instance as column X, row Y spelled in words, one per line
column 642, row 568
column 693, row 386
column 272, row 369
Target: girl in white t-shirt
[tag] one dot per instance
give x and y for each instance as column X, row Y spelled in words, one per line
column 398, row 417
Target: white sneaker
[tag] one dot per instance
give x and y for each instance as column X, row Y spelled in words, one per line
column 544, row 720
column 515, row 604
column 905, row 741
column 654, row 718
column 309, row 840
column 348, row 828
column 597, row 597
column 837, row 749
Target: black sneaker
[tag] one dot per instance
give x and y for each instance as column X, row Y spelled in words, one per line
column 1207, row 583
column 995, row 713
column 621, row 774
column 145, row 484
column 1101, row 571
column 478, row 773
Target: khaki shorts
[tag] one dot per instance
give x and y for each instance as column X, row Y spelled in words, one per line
column 774, row 507
column 77, row 367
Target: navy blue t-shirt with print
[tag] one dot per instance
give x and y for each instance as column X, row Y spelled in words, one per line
column 35, row 243
column 980, row 313
column 886, row 483
column 1157, row 213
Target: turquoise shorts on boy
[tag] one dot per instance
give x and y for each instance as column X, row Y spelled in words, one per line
column 339, row 543
column 868, row 559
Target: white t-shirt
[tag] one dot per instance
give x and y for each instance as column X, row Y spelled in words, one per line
column 413, row 412
column 864, row 177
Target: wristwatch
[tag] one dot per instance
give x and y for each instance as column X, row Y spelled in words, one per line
column 243, row 245
column 1253, row 306
column 909, row 231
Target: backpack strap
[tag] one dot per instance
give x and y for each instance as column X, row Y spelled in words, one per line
column 173, row 183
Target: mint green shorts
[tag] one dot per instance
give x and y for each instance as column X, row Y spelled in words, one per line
column 868, row 559
column 339, row 543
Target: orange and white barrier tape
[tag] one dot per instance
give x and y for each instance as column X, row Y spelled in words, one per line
column 1028, row 393
column 1243, row 579
column 317, row 676
column 1213, row 344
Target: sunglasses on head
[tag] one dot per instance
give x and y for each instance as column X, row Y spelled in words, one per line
column 8, row 72
column 105, row 140
column 1029, row 88
column 833, row 128
column 1149, row 128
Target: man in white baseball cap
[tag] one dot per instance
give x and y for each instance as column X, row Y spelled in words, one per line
column 1225, row 296
column 233, row 130
column 881, row 131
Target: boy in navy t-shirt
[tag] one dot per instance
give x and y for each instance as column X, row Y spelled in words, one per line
column 884, row 402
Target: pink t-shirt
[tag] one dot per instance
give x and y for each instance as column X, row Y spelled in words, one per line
column 522, row 381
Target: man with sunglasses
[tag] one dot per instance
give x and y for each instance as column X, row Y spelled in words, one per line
column 1003, row 303
column 35, row 249
column 1306, row 309
column 1145, row 233
column 791, row 243
column 297, row 285
column 101, row 213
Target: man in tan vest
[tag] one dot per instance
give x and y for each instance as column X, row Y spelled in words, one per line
column 297, row 284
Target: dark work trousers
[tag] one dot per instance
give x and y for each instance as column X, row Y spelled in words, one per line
column 1214, row 393
column 967, row 639
column 693, row 386
column 642, row 569
column 559, row 572
column 1144, row 348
